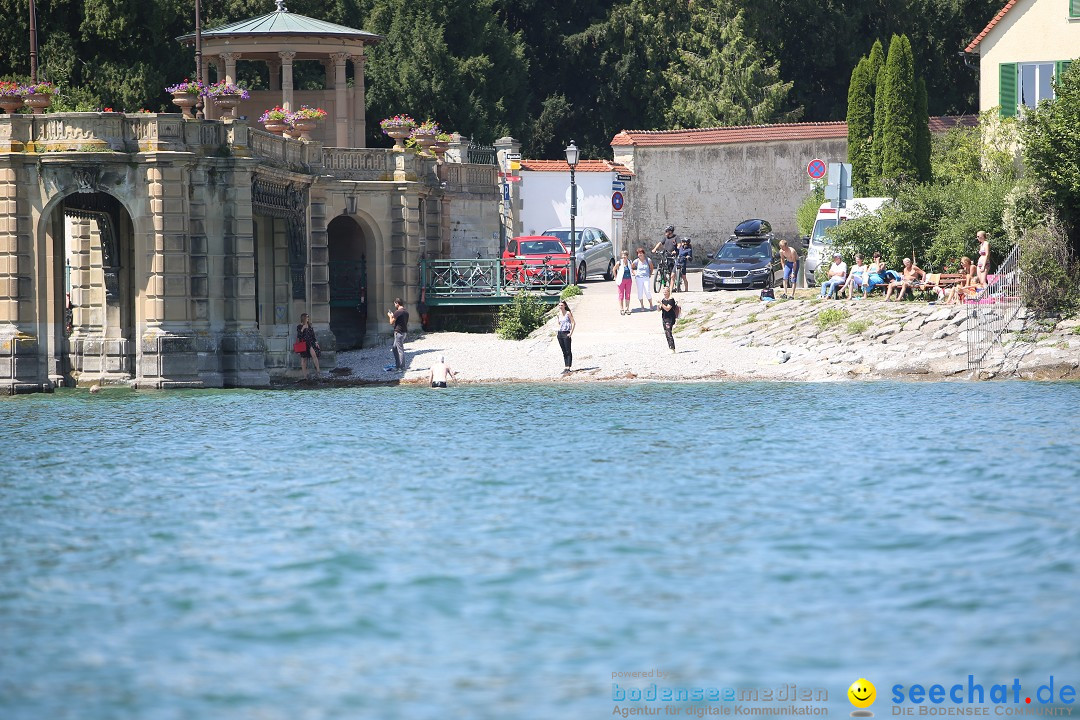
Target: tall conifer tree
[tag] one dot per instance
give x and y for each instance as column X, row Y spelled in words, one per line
column 860, row 124
column 898, row 139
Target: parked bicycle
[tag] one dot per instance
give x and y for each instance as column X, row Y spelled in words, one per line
column 665, row 265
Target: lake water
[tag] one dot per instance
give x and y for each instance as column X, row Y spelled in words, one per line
column 500, row 552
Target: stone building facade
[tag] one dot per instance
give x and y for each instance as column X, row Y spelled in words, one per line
column 163, row 252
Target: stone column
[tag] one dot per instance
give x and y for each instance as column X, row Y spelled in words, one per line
column 359, row 109
column 230, row 59
column 459, row 149
column 328, row 73
column 19, row 365
column 243, row 348
column 319, row 267
column 275, row 74
column 341, row 110
column 168, row 352
column 286, row 78
column 204, row 220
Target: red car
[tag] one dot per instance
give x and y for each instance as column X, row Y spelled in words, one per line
column 524, row 258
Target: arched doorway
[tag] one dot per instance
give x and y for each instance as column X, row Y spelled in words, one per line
column 348, row 268
column 94, row 240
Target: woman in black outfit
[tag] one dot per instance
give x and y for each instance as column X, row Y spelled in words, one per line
column 305, row 333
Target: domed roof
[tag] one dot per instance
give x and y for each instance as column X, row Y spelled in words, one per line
column 282, row 23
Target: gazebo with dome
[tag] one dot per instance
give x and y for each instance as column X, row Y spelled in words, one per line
column 280, row 39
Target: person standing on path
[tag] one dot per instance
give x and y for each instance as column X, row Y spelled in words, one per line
column 440, row 371
column 399, row 318
column 669, row 313
column 642, row 271
column 624, row 277
column 306, row 334
column 789, row 256
column 566, row 330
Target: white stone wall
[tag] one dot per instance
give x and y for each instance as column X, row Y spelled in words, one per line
column 705, row 190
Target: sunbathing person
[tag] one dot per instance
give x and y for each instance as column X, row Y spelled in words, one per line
column 970, row 285
column 875, row 274
column 911, row 276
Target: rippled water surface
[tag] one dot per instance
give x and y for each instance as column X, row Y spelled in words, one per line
column 499, row 552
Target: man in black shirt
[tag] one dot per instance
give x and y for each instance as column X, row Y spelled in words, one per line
column 669, row 313
column 399, row 318
column 669, row 242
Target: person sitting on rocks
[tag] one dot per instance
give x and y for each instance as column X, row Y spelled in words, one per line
column 911, row 276
column 837, row 277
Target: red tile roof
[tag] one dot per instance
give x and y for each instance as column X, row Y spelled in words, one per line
column 726, row 135
column 762, row 133
column 582, row 166
column 992, row 23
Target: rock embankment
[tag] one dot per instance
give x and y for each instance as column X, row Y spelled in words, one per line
column 735, row 336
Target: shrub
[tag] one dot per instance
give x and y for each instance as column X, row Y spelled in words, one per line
column 807, row 211
column 858, row 327
column 1050, row 276
column 831, row 317
column 520, row 317
column 570, row 291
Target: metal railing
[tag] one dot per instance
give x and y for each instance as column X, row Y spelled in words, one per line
column 478, row 278
column 992, row 311
column 482, row 154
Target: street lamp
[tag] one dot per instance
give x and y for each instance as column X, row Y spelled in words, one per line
column 572, row 160
column 199, row 104
column 33, row 43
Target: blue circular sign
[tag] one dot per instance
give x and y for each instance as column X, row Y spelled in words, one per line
column 816, row 169
column 616, row 200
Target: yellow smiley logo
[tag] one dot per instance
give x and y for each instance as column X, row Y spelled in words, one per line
column 862, row 693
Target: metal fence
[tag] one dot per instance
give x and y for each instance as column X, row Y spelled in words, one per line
column 992, row 311
column 482, row 154
column 475, row 280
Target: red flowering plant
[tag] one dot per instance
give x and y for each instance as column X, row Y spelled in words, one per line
column 428, row 127
column 308, row 113
column 276, row 114
column 10, row 88
column 397, row 121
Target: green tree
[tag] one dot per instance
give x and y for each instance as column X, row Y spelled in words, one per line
column 898, row 135
column 922, row 133
column 860, row 124
column 1051, row 148
column 877, row 144
column 718, row 76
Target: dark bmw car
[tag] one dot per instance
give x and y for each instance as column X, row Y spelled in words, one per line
column 746, row 261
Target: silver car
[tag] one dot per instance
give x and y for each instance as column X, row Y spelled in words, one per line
column 595, row 252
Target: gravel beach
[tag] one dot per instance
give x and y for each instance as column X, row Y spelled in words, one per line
column 730, row 336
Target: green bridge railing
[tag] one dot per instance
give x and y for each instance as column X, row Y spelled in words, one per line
column 479, row 281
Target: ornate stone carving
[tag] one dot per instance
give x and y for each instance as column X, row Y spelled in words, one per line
column 287, row 56
column 86, row 178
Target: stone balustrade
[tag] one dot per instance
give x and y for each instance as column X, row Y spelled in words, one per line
column 110, row 132
column 471, row 177
column 362, row 163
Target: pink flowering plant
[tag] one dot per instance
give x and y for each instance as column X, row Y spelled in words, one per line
column 188, row 87
column 397, row 121
column 10, row 88
column 276, row 114
column 41, row 88
column 227, row 88
column 308, row 113
column 428, row 127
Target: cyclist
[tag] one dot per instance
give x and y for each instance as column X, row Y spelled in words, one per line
column 669, row 242
column 686, row 254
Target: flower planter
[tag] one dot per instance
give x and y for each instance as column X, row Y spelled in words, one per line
column 439, row 148
column 228, row 102
column 11, row 103
column 37, row 102
column 425, row 141
column 304, row 126
column 278, row 127
column 186, row 101
column 399, row 133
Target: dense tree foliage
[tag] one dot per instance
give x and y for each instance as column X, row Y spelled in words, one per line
column 539, row 70
column 898, row 131
column 860, row 124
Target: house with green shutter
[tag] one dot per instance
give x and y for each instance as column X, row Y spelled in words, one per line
column 1025, row 46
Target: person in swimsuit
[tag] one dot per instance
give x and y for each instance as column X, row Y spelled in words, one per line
column 983, row 265
column 440, row 371
column 566, row 330
column 624, row 277
column 912, row 276
column 790, row 258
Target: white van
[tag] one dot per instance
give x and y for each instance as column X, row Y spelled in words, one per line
column 817, row 248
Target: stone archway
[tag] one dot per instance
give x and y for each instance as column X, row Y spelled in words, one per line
column 350, row 281
column 92, row 237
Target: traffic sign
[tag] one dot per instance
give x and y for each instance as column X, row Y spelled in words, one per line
column 513, row 156
column 616, row 200
column 618, row 185
column 624, row 178
column 513, row 178
column 839, row 188
column 816, row 169
column 616, row 214
column 515, row 165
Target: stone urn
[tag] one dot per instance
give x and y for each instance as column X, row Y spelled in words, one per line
column 305, row 126
column 277, row 127
column 425, row 141
column 37, row 102
column 11, row 103
column 399, row 133
column 186, row 101
column 439, row 148
column 228, row 102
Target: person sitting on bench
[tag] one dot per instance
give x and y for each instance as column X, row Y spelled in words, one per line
column 912, row 275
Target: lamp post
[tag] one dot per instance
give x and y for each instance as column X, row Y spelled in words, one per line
column 33, row 43
column 572, row 160
column 199, row 104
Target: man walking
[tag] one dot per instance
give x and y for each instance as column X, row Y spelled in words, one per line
column 399, row 318
column 669, row 313
column 790, row 258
